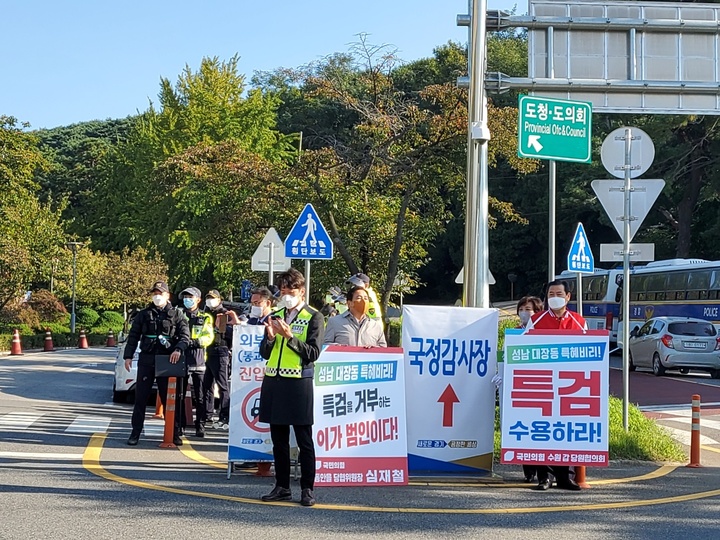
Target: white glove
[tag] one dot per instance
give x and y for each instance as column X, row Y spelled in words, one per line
column 497, row 380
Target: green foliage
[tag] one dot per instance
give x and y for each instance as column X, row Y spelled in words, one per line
column 55, row 327
column 112, row 319
column 86, row 317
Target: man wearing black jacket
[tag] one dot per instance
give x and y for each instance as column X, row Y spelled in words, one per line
column 159, row 329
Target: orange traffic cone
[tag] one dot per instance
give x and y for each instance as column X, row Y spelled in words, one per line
column 16, row 347
column 169, row 431
column 110, row 339
column 82, row 343
column 48, row 341
column 158, row 408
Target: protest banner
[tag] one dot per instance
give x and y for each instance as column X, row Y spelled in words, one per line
column 450, row 360
column 359, row 431
column 555, row 398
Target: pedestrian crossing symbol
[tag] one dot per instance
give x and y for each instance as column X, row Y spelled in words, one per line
column 308, row 239
column 580, row 258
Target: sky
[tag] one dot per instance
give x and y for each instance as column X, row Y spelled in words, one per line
column 71, row 61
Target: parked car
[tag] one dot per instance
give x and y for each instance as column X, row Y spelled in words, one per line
column 124, row 384
column 681, row 343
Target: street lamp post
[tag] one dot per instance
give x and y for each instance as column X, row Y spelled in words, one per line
column 74, row 247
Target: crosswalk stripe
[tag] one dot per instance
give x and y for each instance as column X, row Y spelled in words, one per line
column 704, row 423
column 154, row 428
column 19, row 420
column 683, row 436
column 89, row 424
column 39, row 455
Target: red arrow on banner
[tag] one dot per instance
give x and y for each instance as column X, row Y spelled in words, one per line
column 448, row 398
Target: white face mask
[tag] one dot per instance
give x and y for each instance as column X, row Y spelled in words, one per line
column 256, row 311
column 556, row 302
column 159, row 300
column 212, row 303
column 290, row 301
column 524, row 317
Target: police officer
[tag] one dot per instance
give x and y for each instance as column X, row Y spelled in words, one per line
column 159, row 329
column 201, row 335
column 218, row 360
column 293, row 337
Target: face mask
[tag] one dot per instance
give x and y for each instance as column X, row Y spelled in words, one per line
column 212, row 303
column 524, row 317
column 189, row 303
column 159, row 300
column 256, row 311
column 556, row 302
column 290, row 301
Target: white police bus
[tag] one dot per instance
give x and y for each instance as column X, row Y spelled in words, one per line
column 671, row 288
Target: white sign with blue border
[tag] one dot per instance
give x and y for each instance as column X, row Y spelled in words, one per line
column 308, row 238
column 580, row 258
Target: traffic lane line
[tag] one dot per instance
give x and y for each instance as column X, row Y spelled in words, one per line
column 39, row 456
column 189, row 452
column 92, row 463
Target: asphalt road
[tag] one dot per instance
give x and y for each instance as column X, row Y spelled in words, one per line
column 65, row 472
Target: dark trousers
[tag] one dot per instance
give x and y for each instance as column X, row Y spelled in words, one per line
column 280, row 435
column 143, row 388
column 198, row 397
column 561, row 473
column 216, row 371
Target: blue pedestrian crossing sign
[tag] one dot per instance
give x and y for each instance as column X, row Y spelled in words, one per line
column 580, row 259
column 308, row 239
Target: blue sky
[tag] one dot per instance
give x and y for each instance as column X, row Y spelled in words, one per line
column 75, row 60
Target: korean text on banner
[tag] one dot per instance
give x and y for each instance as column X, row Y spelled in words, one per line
column 555, row 399
column 248, row 439
column 360, row 417
column 450, row 360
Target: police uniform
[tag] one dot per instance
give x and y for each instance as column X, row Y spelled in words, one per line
column 286, row 396
column 201, row 335
column 218, row 363
column 151, row 327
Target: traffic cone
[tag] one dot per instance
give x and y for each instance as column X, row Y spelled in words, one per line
column 48, row 341
column 110, row 339
column 169, row 431
column 16, row 347
column 82, row 343
column 158, row 408
column 263, row 469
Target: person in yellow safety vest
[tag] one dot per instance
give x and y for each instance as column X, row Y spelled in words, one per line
column 361, row 280
column 291, row 345
column 202, row 334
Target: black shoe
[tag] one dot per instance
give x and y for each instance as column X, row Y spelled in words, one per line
column 543, row 486
column 177, row 441
column 133, row 439
column 530, row 479
column 278, row 494
column 569, row 485
column 200, row 431
column 307, row 498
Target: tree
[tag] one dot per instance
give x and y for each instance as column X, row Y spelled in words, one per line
column 30, row 232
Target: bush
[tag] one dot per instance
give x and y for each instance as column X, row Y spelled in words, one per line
column 111, row 319
column 394, row 335
column 37, row 341
column 47, row 305
column 86, row 317
column 54, row 327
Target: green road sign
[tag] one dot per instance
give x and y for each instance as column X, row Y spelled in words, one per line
column 556, row 129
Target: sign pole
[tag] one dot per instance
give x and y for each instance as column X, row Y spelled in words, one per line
column 307, row 281
column 552, row 188
column 271, row 260
column 578, row 294
column 626, row 276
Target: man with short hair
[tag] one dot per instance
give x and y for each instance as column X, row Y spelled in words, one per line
column 261, row 302
column 201, row 335
column 556, row 317
column 293, row 337
column 158, row 329
column 361, row 280
column 354, row 327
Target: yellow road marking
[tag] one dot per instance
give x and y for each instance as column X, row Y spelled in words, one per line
column 190, row 453
column 717, row 450
column 91, row 462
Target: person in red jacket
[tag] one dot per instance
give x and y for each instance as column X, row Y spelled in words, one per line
column 556, row 317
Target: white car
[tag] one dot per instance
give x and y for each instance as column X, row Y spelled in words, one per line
column 124, row 384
